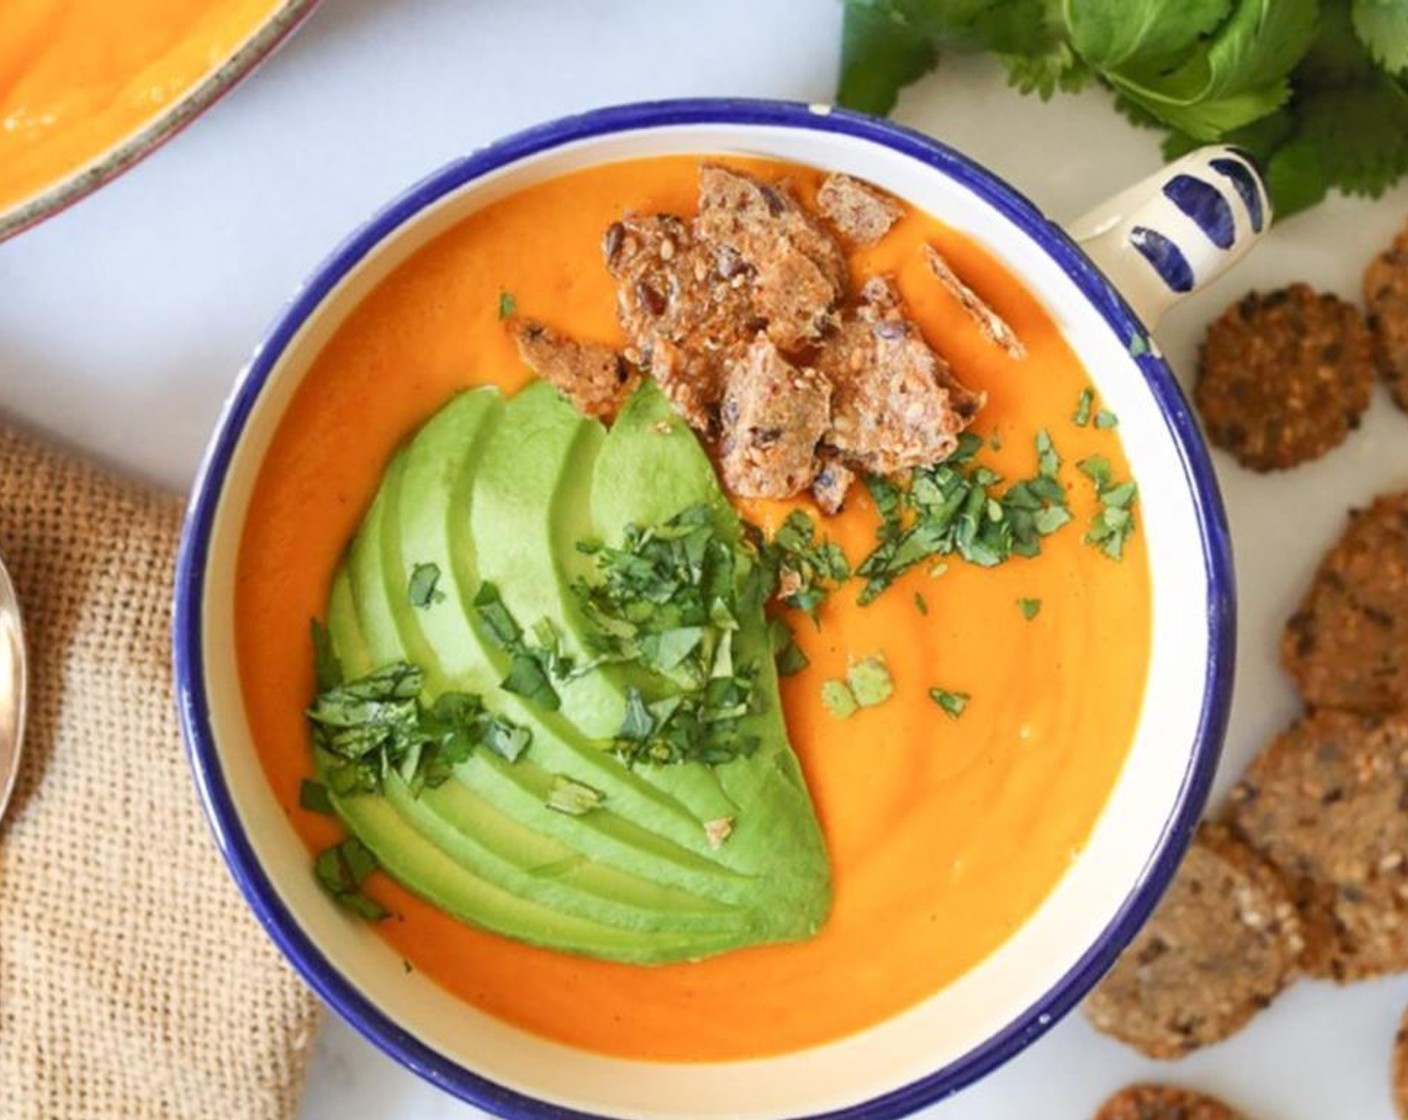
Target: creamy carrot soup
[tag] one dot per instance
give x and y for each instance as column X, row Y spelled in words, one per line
column 945, row 826
column 79, row 76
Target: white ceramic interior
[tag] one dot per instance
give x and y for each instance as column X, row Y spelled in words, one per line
column 983, row 1003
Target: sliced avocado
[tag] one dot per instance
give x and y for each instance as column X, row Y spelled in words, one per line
column 505, row 492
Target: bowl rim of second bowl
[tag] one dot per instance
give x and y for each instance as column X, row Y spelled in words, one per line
column 336, row 989
column 134, row 146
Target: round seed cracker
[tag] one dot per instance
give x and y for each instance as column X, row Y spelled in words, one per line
column 1386, row 297
column 1284, row 377
column 1324, row 804
column 1347, row 644
column 1222, row 943
column 1164, row 1102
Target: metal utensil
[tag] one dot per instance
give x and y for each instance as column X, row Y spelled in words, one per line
column 12, row 688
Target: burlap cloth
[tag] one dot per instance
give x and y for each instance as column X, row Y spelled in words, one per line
column 133, row 981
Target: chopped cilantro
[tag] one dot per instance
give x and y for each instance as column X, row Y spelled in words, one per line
column 921, row 602
column 1081, row 417
column 1316, row 92
column 313, row 796
column 1105, row 419
column 423, row 589
column 668, row 600
column 531, row 667
column 327, row 669
column 870, row 682
column 341, row 870
column 838, row 700
column 807, row 569
column 1030, row 608
column 378, row 724
column 1112, row 525
column 1138, row 345
column 508, row 306
column 572, row 797
column 952, row 703
column 954, row 506
column 790, row 657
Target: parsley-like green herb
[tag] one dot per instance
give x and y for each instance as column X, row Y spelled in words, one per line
column 668, row 601
column 423, row 589
column 341, row 870
column 1138, row 345
column 952, row 703
column 921, row 603
column 327, row 669
column 1105, row 420
column 1081, row 417
column 1112, row 525
column 572, row 797
column 313, row 796
column 1030, row 608
column 954, row 506
column 1316, row 91
column 377, row 725
column 870, row 682
column 838, row 699
column 508, row 306
column 531, row 667
column 807, row 569
column 790, row 657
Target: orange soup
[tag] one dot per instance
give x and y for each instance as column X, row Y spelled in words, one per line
column 79, row 76
column 944, row 833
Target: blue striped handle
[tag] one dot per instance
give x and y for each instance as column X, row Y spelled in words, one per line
column 1178, row 230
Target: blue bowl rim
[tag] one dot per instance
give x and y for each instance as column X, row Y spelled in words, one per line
column 338, row 991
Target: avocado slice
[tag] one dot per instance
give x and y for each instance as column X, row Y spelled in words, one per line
column 504, row 491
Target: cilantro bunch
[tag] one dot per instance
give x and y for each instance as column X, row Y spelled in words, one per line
column 1316, row 90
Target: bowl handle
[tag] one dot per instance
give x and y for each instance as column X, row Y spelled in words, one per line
column 1178, row 230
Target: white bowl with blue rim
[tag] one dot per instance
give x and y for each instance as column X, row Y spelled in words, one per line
column 1105, row 282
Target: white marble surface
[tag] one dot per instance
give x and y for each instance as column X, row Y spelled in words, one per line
column 123, row 321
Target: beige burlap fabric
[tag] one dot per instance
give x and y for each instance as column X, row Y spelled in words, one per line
column 133, row 981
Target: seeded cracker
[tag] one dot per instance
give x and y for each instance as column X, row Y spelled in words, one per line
column 1220, row 946
column 773, row 414
column 1386, row 298
column 896, row 403
column 1347, row 644
column 1164, row 1102
column 1284, row 377
column 797, row 269
column 993, row 325
column 686, row 308
column 596, row 378
column 1324, row 803
column 862, row 214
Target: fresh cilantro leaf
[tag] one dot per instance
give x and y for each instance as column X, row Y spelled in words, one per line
column 572, row 797
column 1382, row 25
column 1030, row 608
column 1113, row 523
column 341, row 870
column 807, row 569
column 327, row 669
column 1081, row 417
column 870, row 682
column 838, row 700
column 921, row 603
column 1370, row 156
column 790, row 657
column 423, row 588
column 1105, row 420
column 953, row 703
column 1057, row 67
column 1111, row 34
column 508, row 306
column 527, row 678
column 881, row 53
column 313, row 796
